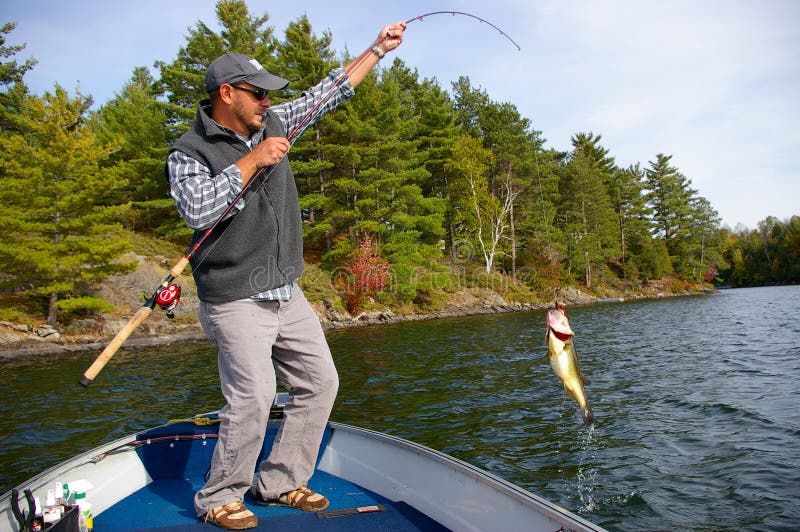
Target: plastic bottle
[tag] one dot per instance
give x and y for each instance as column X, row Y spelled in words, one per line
column 52, row 511
column 66, row 494
column 58, row 493
column 79, row 489
column 37, row 516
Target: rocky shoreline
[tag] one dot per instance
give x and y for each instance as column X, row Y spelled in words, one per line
column 45, row 341
column 20, row 342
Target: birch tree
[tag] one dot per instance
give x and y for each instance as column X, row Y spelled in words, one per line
column 483, row 217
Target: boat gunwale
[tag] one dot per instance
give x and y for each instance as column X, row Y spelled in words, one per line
column 515, row 492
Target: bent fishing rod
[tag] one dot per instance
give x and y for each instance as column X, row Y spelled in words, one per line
column 167, row 294
column 470, row 15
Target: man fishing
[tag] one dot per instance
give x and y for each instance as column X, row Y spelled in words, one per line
column 246, row 276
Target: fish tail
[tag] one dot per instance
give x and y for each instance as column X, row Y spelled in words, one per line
column 587, row 415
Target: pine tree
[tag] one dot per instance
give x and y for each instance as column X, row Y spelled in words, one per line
column 183, row 80
column 306, row 58
column 668, row 195
column 12, row 88
column 136, row 121
column 59, row 233
column 11, row 72
column 626, row 192
column 585, row 207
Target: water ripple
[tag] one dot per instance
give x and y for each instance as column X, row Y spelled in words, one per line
column 697, row 420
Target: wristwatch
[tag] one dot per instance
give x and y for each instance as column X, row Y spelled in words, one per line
column 377, row 51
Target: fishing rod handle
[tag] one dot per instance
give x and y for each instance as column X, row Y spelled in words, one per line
column 177, row 270
column 103, row 358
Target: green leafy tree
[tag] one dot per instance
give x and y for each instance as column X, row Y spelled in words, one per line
column 512, row 142
column 482, row 217
column 766, row 255
column 60, row 235
column 787, row 252
column 705, row 242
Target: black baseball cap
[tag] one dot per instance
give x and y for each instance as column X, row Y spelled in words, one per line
column 234, row 68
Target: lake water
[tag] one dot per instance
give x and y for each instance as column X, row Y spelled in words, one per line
column 695, row 399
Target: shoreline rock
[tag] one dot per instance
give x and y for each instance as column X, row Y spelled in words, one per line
column 21, row 342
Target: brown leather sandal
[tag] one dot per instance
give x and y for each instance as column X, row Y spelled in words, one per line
column 302, row 499
column 232, row 516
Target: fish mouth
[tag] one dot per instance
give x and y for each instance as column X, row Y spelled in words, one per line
column 558, row 324
column 563, row 336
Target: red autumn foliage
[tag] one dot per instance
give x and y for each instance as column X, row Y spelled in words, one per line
column 368, row 274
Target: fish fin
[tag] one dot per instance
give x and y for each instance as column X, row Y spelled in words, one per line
column 585, row 381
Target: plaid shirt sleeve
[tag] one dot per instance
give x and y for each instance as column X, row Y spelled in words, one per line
column 201, row 198
column 335, row 87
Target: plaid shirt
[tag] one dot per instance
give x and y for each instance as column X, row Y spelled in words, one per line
column 201, row 198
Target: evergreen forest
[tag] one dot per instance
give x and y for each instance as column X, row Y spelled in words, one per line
column 409, row 192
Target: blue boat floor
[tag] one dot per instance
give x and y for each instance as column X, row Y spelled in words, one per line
column 167, row 505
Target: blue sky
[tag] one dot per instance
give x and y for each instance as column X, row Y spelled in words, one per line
column 715, row 84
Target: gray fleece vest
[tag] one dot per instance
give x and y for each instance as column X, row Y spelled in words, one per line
column 259, row 248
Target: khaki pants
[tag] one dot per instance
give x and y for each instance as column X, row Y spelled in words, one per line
column 259, row 341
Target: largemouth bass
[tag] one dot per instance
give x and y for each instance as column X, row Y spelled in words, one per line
column 564, row 360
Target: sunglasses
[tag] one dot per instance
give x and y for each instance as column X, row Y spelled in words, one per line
column 260, row 94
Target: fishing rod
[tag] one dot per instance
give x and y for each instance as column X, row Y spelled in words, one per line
column 462, row 13
column 167, row 294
